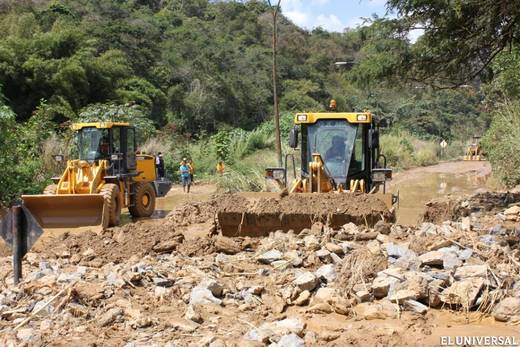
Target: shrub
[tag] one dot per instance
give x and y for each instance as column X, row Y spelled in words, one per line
column 502, row 142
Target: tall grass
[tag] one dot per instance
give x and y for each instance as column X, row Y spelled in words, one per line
column 403, row 150
column 501, row 143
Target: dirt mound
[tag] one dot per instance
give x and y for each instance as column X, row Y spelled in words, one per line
column 257, row 217
column 451, row 208
column 193, row 212
column 117, row 244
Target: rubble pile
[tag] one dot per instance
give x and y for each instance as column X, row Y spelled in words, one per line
column 170, row 290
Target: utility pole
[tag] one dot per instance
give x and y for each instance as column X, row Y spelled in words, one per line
column 278, row 144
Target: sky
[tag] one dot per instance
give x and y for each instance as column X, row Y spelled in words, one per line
column 331, row 15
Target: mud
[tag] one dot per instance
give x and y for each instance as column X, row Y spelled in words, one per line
column 240, row 216
column 453, row 208
column 113, row 245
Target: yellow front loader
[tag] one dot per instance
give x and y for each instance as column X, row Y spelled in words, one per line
column 107, row 176
column 340, row 162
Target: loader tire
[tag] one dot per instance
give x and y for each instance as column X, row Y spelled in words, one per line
column 50, row 189
column 144, row 201
column 110, row 193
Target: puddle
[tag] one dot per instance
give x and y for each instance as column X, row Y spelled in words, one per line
column 416, row 191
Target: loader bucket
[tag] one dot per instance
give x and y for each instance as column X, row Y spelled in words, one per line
column 251, row 215
column 66, row 211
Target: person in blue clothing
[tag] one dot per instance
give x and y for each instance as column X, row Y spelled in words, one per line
column 185, row 176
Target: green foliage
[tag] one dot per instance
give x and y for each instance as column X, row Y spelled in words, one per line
column 448, row 52
column 133, row 114
column 404, row 150
column 502, row 142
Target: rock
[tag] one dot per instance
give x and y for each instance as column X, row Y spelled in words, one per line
column 382, row 227
column 256, row 290
column 468, row 271
column 465, row 224
column 376, row 310
column 303, row 298
column 439, row 244
column 162, row 282
column 181, row 324
column 203, row 296
column 335, row 258
column 294, row 258
column 506, row 309
column 217, row 343
column 327, row 272
column 320, row 308
column 270, row 256
column 366, row 236
column 383, row 281
column 373, row 247
column 350, row 228
column 211, row 284
column 463, row 292
column 27, row 335
column 326, row 295
column 324, row 255
column 451, row 261
column 383, row 238
column 311, row 242
column 402, row 295
column 160, row 292
column 115, row 280
column 227, row 245
column 166, row 246
column 334, row 248
column 109, row 317
column 415, row 306
column 432, row 258
column 427, row 229
column 317, row 228
column 258, row 335
column 513, row 210
column 398, row 251
column 434, row 288
column 363, row 295
column 291, row 340
column 193, row 315
column 306, row 281
column 465, row 254
column 45, row 311
column 286, row 326
column 281, row 264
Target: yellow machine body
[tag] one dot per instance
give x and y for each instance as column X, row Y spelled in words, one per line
column 79, row 196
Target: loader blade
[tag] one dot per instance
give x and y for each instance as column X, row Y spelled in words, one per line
column 257, row 215
column 66, row 211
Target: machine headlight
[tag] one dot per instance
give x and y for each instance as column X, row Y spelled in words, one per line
column 362, row 117
column 302, row 118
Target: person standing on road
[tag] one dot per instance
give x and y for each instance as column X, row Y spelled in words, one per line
column 220, row 167
column 192, row 169
column 159, row 163
column 185, row 176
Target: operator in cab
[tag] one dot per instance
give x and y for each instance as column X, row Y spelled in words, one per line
column 336, row 151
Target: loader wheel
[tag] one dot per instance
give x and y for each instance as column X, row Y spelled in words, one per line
column 50, row 189
column 144, row 201
column 110, row 193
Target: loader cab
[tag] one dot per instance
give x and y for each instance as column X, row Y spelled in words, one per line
column 115, row 142
column 348, row 144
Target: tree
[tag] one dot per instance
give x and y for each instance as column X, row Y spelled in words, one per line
column 461, row 38
column 278, row 145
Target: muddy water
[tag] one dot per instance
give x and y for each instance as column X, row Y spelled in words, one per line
column 417, row 186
